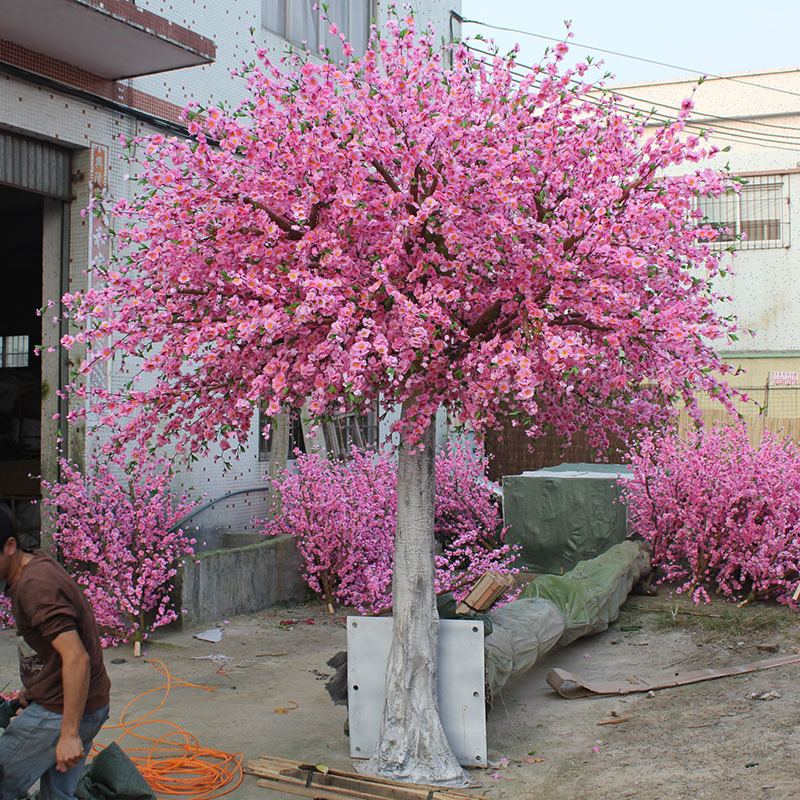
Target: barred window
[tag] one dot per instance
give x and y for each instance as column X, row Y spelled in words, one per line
column 351, row 428
column 14, row 351
column 296, row 440
column 299, row 22
column 755, row 219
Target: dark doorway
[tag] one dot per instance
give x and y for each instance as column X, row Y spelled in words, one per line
column 21, row 223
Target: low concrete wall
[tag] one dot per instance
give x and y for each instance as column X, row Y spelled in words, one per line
column 239, row 580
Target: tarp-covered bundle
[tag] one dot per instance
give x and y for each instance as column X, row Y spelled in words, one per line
column 562, row 515
column 557, row 609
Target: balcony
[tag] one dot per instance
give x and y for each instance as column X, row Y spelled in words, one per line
column 112, row 39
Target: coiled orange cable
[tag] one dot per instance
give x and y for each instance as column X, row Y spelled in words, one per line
column 175, row 765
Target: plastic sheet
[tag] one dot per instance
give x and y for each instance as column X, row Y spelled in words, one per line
column 522, row 631
column 557, row 609
column 590, row 595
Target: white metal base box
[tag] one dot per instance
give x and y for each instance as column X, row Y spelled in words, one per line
column 461, row 685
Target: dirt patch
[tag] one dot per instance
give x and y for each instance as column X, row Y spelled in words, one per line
column 707, row 740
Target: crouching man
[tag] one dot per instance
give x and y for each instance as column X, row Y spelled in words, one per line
column 66, row 687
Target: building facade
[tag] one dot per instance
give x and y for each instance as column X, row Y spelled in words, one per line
column 755, row 119
column 75, row 76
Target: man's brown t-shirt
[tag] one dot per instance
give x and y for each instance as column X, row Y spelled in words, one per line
column 46, row 602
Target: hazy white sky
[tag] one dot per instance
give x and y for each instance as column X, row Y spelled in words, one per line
column 711, row 37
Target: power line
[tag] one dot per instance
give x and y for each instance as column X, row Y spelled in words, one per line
column 626, row 55
column 709, row 115
column 723, row 132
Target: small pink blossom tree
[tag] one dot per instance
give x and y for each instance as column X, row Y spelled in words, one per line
column 718, row 513
column 434, row 235
column 343, row 515
column 118, row 537
column 6, row 617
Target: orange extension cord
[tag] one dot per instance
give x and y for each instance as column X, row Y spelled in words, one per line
column 175, row 765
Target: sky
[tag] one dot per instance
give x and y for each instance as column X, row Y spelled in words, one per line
column 710, row 37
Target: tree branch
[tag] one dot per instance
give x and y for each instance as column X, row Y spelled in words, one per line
column 285, row 224
column 385, row 174
column 313, row 217
column 578, row 321
column 485, row 319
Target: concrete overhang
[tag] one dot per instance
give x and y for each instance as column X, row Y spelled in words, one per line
column 113, row 39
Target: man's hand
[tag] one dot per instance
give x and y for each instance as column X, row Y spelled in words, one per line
column 22, row 697
column 69, row 752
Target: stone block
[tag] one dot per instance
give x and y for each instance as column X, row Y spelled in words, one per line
column 240, row 580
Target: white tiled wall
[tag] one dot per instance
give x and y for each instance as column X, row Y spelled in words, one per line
column 75, row 123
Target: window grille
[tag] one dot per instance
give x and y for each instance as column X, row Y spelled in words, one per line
column 351, row 428
column 755, row 219
column 300, row 22
column 14, row 351
column 341, row 432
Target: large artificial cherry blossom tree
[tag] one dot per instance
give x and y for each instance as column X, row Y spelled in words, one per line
column 436, row 236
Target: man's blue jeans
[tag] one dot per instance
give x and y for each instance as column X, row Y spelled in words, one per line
column 28, row 753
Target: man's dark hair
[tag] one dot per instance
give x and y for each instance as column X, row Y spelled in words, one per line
column 7, row 529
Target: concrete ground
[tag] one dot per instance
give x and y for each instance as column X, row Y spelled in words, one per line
column 707, row 740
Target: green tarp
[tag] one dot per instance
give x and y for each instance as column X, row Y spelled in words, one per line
column 562, row 515
column 111, row 775
column 590, row 595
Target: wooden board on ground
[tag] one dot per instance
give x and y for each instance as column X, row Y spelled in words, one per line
column 308, row 780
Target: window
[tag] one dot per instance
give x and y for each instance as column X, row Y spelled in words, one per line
column 299, row 22
column 340, row 432
column 351, row 428
column 757, row 218
column 296, row 440
column 14, row 351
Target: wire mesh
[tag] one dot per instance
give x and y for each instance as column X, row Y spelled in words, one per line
column 772, row 408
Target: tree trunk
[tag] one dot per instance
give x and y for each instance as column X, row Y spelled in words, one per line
column 412, row 745
column 278, row 453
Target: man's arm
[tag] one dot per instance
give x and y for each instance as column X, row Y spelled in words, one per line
column 75, row 681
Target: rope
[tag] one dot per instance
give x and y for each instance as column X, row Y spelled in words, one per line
column 175, row 765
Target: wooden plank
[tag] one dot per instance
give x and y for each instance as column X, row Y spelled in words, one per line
column 337, row 786
column 484, row 593
column 283, row 763
column 283, row 775
column 314, row 791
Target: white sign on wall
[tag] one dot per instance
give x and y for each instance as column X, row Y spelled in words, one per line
column 783, row 379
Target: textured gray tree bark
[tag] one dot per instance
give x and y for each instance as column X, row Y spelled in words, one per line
column 412, row 745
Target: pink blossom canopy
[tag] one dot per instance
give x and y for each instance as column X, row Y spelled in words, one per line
column 435, row 236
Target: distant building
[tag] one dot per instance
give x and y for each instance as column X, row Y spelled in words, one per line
column 756, row 115
column 75, row 75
